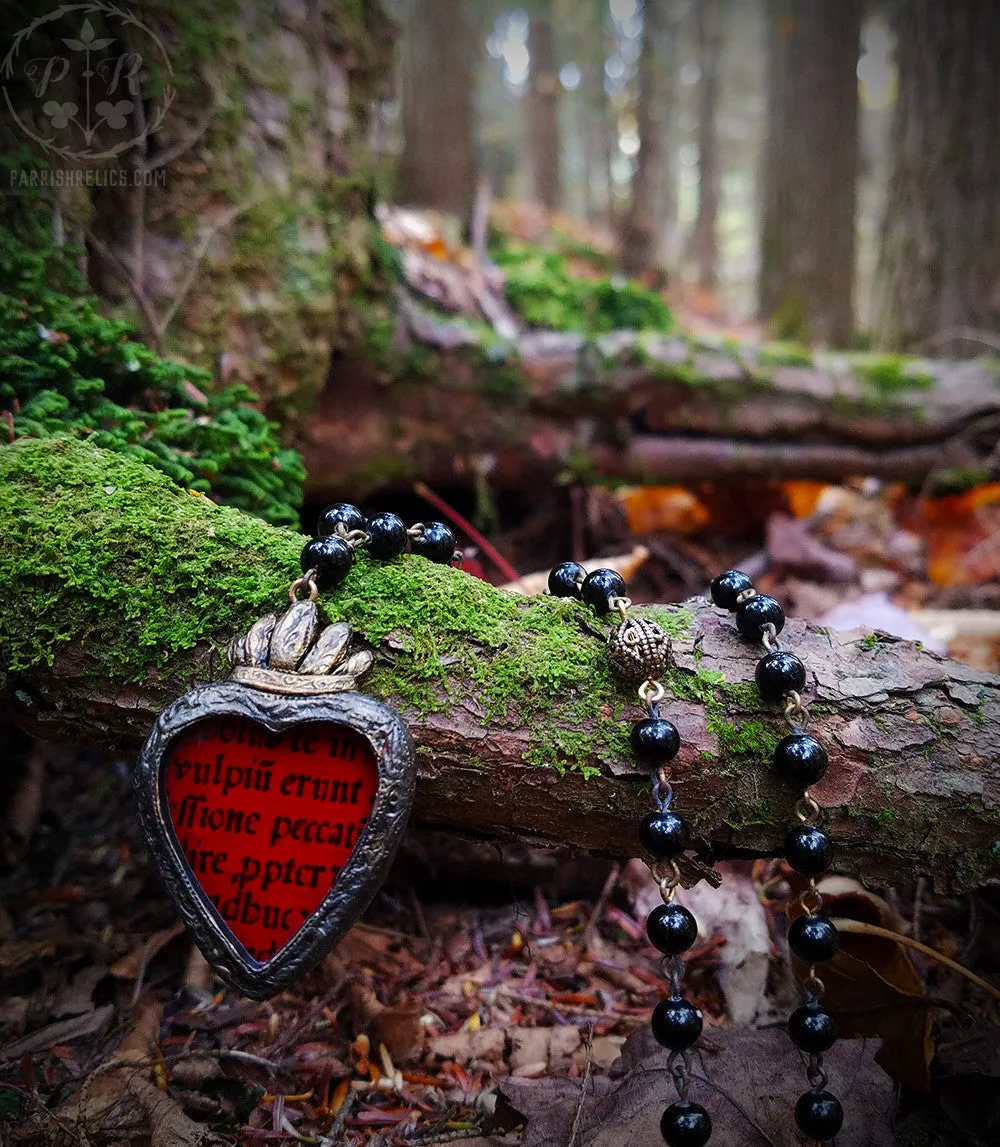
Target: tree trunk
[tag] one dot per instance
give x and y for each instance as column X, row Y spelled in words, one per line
column 543, row 111
column 704, row 240
column 810, row 170
column 437, row 168
column 121, row 591
column 640, row 232
column 939, row 271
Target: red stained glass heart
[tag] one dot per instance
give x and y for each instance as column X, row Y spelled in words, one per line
column 267, row 820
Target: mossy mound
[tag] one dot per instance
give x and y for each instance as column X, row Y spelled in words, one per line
column 68, row 371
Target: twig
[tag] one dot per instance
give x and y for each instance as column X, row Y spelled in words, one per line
column 467, row 527
column 169, row 154
column 575, row 1129
column 602, row 902
column 862, row 929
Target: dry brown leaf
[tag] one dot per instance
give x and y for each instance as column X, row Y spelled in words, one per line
column 553, row 1048
column 19, row 955
column 485, row 1044
column 93, row 1023
column 749, row 1079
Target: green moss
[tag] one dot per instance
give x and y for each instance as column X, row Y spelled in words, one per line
column 886, row 817
column 68, row 370
column 784, row 354
column 890, row 374
column 543, row 290
column 868, row 642
column 752, row 738
column 107, row 553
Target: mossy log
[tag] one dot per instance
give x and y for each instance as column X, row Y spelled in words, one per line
column 642, row 408
column 120, row 591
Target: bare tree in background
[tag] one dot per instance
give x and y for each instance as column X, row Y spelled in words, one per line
column 544, row 153
column 704, row 239
column 640, row 240
column 808, row 193
column 938, row 283
column 437, row 168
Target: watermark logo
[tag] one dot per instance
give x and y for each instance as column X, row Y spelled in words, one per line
column 73, row 81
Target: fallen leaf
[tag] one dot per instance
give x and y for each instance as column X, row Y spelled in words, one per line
column 93, row 1023
column 749, row 1080
column 671, row 509
column 485, row 1044
column 792, row 546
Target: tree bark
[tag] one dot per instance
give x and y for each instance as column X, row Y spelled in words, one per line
column 544, row 152
column 939, row 268
column 704, row 239
column 437, row 168
column 640, row 231
column 810, row 170
column 121, row 591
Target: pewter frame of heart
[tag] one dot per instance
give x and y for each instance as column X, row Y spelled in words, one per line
column 358, row 880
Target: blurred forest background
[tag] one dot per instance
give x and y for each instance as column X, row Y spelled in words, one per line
column 667, row 285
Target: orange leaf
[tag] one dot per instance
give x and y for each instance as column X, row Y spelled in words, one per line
column 802, row 495
column 675, row 509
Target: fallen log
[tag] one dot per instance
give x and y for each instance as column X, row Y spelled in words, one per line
column 120, row 591
column 638, row 407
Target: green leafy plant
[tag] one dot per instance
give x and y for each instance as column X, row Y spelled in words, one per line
column 66, row 370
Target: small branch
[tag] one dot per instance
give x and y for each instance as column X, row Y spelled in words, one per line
column 860, row 928
column 200, row 251
column 182, row 146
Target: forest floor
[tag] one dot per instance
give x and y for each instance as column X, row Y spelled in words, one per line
column 498, row 995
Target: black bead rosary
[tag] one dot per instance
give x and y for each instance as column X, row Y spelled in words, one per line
column 343, row 529
column 801, row 761
column 638, row 650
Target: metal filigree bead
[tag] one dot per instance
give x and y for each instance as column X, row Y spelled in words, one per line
column 638, row 649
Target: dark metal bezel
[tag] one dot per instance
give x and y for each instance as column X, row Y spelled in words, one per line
column 358, row 880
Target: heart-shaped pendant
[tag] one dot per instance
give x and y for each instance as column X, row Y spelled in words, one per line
column 274, row 803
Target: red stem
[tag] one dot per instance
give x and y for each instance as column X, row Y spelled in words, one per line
column 468, row 528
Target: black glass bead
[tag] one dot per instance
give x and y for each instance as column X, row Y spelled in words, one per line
column 812, row 938
column 600, row 586
column 812, row 1029
column 818, row 1114
column 341, row 514
column 686, row 1124
column 800, row 760
column 727, row 587
column 676, row 1024
column 671, row 928
column 654, row 740
column 753, row 615
column 778, row 673
column 386, row 536
column 664, row 834
column 436, row 542
column 808, row 849
column 330, row 557
column 565, row 580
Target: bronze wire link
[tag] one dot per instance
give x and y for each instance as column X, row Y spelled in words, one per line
column 306, row 581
